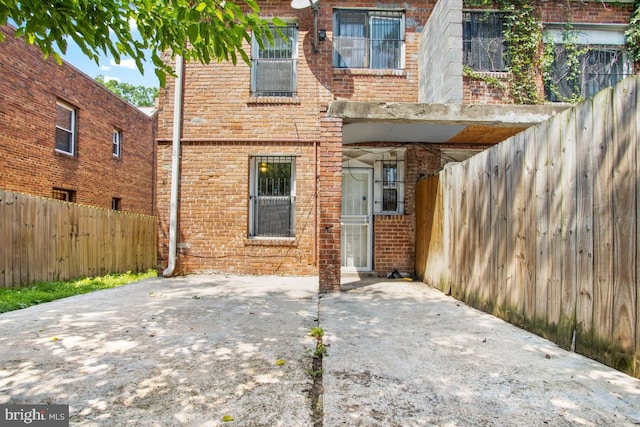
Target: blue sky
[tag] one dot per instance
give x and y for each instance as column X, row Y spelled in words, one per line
column 125, row 72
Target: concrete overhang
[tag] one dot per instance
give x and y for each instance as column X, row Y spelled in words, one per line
column 436, row 123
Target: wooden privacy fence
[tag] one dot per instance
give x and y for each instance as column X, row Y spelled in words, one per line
column 44, row 239
column 542, row 230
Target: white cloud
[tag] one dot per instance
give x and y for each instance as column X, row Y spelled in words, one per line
column 105, row 68
column 125, row 63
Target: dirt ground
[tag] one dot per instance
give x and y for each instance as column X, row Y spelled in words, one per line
column 226, row 350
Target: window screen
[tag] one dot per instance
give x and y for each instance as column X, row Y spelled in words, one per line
column 274, row 66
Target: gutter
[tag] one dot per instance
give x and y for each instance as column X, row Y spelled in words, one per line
column 175, row 167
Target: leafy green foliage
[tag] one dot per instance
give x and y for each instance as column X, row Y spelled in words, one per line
column 198, row 30
column 38, row 293
column 632, row 34
column 140, row 96
column 523, row 35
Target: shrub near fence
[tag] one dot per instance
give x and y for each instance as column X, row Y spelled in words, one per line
column 44, row 239
column 542, row 230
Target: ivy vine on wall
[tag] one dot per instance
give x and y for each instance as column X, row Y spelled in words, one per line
column 530, row 61
column 632, row 35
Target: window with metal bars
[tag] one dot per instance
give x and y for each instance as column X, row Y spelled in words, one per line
column 368, row 39
column 274, row 67
column 389, row 183
column 484, row 48
column 593, row 68
column 272, row 196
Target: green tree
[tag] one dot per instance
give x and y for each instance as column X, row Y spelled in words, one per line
column 140, row 96
column 198, row 30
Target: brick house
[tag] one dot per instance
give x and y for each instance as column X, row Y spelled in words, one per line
column 305, row 163
column 65, row 136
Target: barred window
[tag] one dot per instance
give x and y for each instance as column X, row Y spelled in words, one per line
column 272, row 196
column 581, row 71
column 484, row 48
column 274, row 67
column 389, row 183
column 368, row 39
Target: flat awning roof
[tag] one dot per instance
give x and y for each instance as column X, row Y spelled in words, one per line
column 436, row 123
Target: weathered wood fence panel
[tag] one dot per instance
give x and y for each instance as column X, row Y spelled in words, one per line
column 542, row 230
column 44, row 240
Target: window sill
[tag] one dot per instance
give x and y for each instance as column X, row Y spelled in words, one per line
column 369, row 72
column 273, row 100
column 271, row 241
column 65, row 154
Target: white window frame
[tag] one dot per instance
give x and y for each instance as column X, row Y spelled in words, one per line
column 116, row 143
column 256, row 57
column 255, row 161
column 71, row 132
column 397, row 155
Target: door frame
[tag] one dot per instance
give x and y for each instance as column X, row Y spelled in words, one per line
column 369, row 266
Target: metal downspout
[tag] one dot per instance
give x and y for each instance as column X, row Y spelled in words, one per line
column 175, row 167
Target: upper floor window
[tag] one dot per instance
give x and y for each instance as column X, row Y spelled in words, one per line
column 274, row 66
column 368, row 39
column 272, row 196
column 116, row 141
column 584, row 61
column 484, row 48
column 65, row 128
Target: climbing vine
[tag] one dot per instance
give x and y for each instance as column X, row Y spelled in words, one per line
column 532, row 60
column 523, row 36
column 632, row 35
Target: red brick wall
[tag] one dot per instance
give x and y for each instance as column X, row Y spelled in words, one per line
column 478, row 91
column 29, row 89
column 330, row 204
column 214, row 210
column 587, row 12
column 223, row 125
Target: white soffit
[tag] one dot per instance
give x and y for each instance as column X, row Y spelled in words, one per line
column 398, row 132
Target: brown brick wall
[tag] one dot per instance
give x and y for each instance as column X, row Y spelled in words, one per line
column 214, row 210
column 478, row 91
column 587, row 12
column 223, row 125
column 29, row 89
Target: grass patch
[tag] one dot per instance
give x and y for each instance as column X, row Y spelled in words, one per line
column 38, row 293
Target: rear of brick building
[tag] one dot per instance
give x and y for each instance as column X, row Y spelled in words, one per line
column 305, row 162
column 65, row 136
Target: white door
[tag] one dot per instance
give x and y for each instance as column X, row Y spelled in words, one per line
column 357, row 231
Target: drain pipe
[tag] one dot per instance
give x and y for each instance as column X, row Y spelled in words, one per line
column 175, row 167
